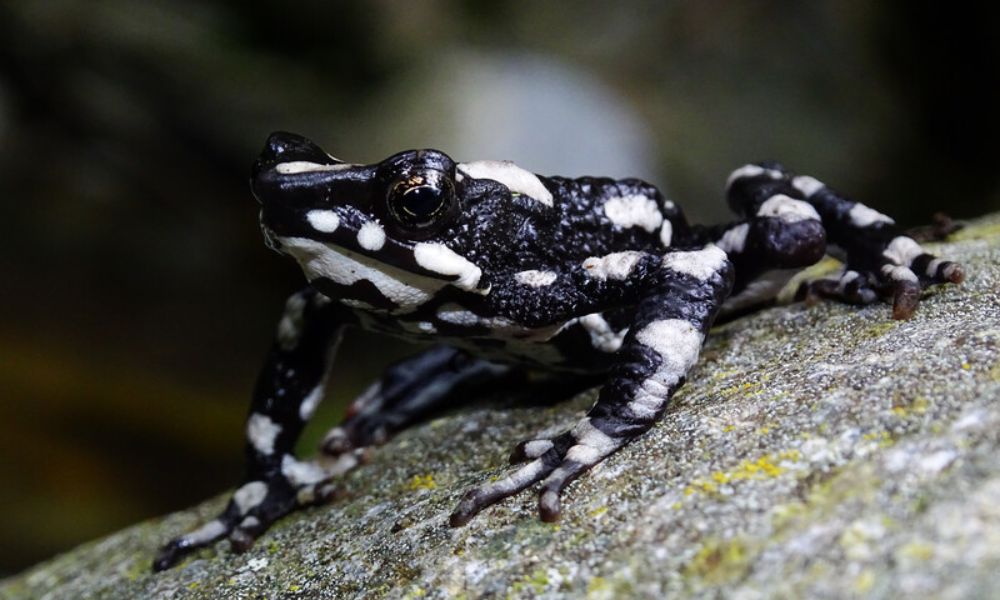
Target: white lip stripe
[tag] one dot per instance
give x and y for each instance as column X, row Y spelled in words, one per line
column 304, row 166
column 322, row 260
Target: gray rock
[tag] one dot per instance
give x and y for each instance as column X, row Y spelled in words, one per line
column 815, row 452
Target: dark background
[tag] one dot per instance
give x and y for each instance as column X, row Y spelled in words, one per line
column 137, row 298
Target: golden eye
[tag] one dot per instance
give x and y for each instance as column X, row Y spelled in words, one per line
column 423, row 205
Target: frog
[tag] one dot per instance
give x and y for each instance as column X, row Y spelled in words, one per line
column 521, row 282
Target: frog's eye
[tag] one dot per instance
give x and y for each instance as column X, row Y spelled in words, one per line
column 420, row 204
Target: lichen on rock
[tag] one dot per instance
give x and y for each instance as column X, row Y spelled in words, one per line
column 822, row 451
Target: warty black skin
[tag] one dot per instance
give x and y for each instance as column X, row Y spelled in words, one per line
column 546, row 284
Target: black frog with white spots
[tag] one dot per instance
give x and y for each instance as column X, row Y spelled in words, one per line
column 522, row 281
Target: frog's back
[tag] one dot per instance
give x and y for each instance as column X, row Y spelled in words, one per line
column 599, row 215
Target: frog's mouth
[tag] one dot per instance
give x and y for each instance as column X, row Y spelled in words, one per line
column 308, row 197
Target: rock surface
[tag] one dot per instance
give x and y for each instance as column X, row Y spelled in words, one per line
column 814, row 452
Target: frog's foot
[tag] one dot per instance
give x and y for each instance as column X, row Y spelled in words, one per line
column 556, row 462
column 410, row 391
column 940, row 228
column 254, row 507
column 901, row 272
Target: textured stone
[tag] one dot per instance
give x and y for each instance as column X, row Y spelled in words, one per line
column 814, row 452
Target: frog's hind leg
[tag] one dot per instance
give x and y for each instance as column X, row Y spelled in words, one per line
column 880, row 260
column 781, row 235
column 410, row 391
column 677, row 304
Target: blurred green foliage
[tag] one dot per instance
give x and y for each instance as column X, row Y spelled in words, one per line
column 138, row 299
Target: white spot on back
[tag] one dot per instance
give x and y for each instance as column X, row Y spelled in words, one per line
column 787, row 209
column 442, row 259
column 371, row 236
column 735, row 239
column 634, row 211
column 514, row 177
column 862, row 216
column 262, row 431
column 807, row 185
column 617, row 265
column 701, row 264
column 326, row 221
column 747, row 171
column 902, row 250
column 304, row 166
column 534, row 278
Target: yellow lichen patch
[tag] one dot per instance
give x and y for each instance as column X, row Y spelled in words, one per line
column 728, row 428
column 765, row 467
column 864, row 581
column 883, row 437
column 761, row 468
column 421, row 482
column 917, row 551
column 720, row 477
column 720, row 561
column 880, row 329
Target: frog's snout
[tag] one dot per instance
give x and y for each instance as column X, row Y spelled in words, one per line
column 282, row 147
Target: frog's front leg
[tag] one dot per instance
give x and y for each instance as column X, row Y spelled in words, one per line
column 287, row 392
column 677, row 303
column 880, row 261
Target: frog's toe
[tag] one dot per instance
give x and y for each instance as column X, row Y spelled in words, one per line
column 532, row 449
column 176, row 549
column 850, row 287
column 555, row 462
column 477, row 499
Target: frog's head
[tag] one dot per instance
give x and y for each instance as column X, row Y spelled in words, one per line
column 399, row 219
